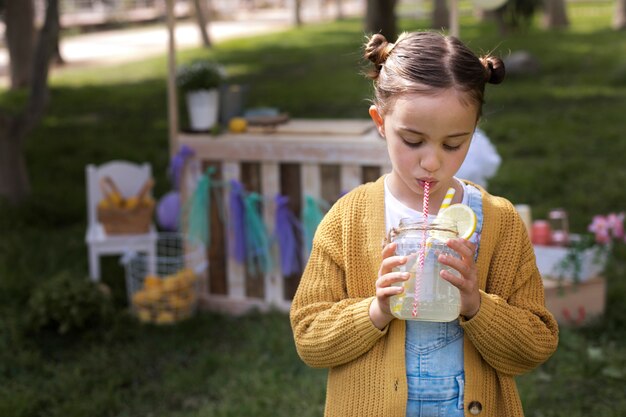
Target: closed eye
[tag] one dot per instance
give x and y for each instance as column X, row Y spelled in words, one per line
column 411, row 144
column 452, row 147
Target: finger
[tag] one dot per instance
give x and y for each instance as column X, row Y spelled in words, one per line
column 454, row 279
column 389, row 291
column 391, row 278
column 389, row 249
column 465, row 286
column 462, row 247
column 453, row 262
column 391, row 262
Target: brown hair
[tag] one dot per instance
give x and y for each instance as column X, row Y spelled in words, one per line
column 426, row 62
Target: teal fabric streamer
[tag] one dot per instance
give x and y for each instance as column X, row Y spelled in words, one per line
column 312, row 216
column 197, row 209
column 259, row 258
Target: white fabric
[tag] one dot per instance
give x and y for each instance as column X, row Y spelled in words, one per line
column 395, row 210
column 482, row 161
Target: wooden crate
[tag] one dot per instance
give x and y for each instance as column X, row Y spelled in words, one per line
column 575, row 303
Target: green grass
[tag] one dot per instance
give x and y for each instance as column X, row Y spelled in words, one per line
column 559, row 134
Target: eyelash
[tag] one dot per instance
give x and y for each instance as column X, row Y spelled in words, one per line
column 418, row 144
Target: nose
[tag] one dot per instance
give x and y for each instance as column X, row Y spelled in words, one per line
column 430, row 161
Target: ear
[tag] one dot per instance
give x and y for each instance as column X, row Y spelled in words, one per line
column 378, row 120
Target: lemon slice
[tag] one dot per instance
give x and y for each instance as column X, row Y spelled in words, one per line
column 463, row 216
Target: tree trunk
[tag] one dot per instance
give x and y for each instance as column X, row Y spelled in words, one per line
column 20, row 36
column 380, row 17
column 496, row 15
column 297, row 12
column 14, row 181
column 57, row 58
column 441, row 15
column 555, row 16
column 340, row 13
column 619, row 19
column 202, row 13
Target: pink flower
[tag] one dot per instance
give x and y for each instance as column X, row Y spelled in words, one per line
column 608, row 227
column 600, row 227
column 616, row 224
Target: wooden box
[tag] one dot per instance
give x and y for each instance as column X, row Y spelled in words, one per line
column 575, row 303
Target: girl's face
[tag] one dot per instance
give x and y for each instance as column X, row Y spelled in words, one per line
column 428, row 136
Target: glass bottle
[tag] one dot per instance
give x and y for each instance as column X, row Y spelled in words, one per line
column 435, row 298
column 560, row 227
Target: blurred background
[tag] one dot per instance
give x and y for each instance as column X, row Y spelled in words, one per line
column 87, row 82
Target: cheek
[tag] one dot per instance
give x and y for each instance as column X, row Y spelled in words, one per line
column 457, row 160
column 402, row 157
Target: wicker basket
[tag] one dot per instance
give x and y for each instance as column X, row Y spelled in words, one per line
column 126, row 221
column 120, row 215
column 164, row 290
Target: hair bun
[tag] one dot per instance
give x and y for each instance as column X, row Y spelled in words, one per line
column 377, row 50
column 494, row 69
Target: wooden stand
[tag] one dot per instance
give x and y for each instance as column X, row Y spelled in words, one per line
column 317, row 158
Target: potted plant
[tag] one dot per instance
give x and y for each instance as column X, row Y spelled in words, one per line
column 199, row 82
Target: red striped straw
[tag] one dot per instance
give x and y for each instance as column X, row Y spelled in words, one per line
column 422, row 254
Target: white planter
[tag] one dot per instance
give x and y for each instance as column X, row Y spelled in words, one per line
column 203, row 108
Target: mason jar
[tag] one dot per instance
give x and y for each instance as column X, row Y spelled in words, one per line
column 426, row 296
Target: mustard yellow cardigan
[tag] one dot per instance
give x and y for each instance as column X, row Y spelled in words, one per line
column 512, row 333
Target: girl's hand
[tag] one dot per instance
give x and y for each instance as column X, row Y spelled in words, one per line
column 380, row 313
column 467, row 283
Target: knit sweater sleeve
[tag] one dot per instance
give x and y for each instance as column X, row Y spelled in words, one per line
column 331, row 326
column 513, row 330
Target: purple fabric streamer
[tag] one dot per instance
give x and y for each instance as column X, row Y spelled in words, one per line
column 237, row 222
column 177, row 164
column 289, row 234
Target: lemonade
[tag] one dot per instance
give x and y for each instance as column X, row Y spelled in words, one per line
column 434, row 299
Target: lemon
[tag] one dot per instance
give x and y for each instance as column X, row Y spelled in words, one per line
column 132, row 202
column 152, row 281
column 104, row 204
column 463, row 216
column 144, row 314
column 238, row 125
column 165, row 317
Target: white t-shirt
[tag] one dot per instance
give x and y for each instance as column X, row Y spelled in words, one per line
column 396, row 210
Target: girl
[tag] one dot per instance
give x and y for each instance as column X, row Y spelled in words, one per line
column 428, row 100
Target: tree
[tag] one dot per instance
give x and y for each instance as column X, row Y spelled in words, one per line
column 20, row 36
column 14, row 181
column 380, row 17
column 440, row 15
column 555, row 16
column 619, row 18
column 513, row 15
column 296, row 7
column 57, row 58
column 340, row 13
column 202, row 13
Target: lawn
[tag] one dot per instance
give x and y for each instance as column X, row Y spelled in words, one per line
column 559, row 134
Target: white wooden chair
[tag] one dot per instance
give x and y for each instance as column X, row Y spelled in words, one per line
column 128, row 177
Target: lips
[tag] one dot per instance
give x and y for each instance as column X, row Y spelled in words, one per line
column 422, row 182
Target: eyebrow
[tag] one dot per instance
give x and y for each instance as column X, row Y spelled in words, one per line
column 417, row 132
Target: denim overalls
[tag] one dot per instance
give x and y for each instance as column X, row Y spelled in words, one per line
column 434, row 353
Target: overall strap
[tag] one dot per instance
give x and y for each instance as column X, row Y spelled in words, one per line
column 475, row 201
